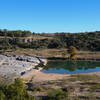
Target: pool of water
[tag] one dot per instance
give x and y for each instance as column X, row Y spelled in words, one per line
column 71, row 67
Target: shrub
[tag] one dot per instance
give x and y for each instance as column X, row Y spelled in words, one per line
column 37, row 88
column 72, row 51
column 57, row 94
column 15, row 91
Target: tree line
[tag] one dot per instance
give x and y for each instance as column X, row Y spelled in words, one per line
column 82, row 41
column 15, row 33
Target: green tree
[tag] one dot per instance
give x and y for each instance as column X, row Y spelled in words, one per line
column 2, row 95
column 15, row 91
column 72, row 51
column 57, row 94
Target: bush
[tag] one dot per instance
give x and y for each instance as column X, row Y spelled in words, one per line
column 15, row 91
column 57, row 94
column 37, row 88
column 54, row 44
column 72, row 51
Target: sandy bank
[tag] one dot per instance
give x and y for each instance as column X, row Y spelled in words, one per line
column 40, row 76
column 94, row 73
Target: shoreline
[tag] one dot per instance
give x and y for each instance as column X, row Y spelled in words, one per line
column 76, row 59
column 38, row 76
column 17, row 65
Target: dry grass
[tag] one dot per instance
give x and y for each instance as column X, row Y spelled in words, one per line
column 85, row 77
column 36, row 36
column 56, row 53
column 84, row 90
column 41, row 52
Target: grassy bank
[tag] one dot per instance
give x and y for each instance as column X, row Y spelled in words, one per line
column 73, row 87
column 56, row 53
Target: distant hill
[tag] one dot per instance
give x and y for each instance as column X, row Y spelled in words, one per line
column 26, row 39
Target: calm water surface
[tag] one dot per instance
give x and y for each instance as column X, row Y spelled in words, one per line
column 71, row 67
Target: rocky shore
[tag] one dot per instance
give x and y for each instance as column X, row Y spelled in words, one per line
column 18, row 65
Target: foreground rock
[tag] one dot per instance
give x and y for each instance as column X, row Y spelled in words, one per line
column 19, row 65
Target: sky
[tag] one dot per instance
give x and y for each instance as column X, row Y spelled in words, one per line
column 50, row 15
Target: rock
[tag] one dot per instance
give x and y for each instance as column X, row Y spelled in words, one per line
column 19, row 65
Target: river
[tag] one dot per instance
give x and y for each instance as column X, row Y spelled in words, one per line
column 71, row 67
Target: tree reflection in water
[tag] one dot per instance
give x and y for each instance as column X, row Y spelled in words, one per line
column 71, row 66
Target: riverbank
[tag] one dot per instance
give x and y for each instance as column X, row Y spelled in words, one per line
column 80, row 86
column 59, row 54
column 18, row 65
column 38, row 76
column 84, row 86
column 75, row 59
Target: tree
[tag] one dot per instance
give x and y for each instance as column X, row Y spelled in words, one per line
column 5, row 31
column 54, row 43
column 2, row 96
column 57, row 94
column 15, row 91
column 0, row 30
column 72, row 51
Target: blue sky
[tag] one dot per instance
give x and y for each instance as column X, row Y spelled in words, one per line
column 50, row 15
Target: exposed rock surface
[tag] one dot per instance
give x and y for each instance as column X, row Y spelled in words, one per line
column 17, row 65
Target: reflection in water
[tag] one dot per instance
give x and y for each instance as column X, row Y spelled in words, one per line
column 63, row 66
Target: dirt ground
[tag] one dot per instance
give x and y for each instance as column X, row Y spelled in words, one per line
column 57, row 53
column 83, row 86
column 40, row 76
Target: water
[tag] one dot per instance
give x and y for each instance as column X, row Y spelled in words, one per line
column 71, row 67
